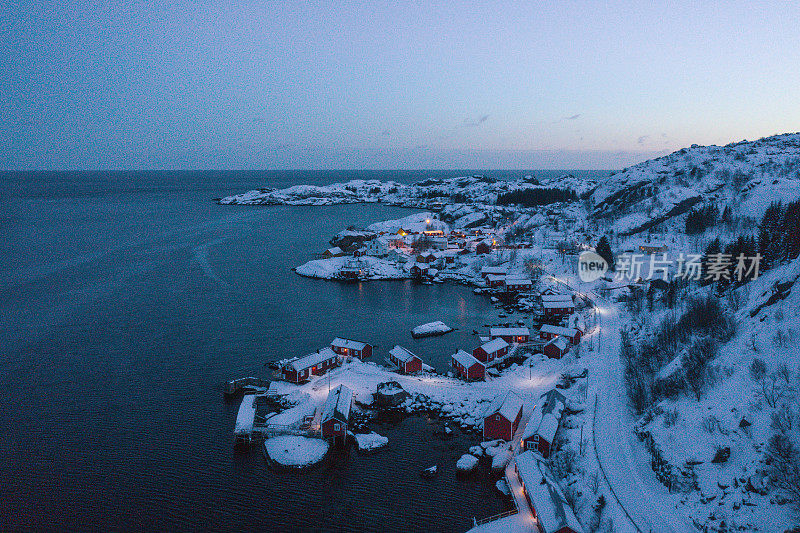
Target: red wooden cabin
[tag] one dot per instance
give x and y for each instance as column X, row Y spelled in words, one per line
column 548, row 331
column 347, row 347
column 404, row 360
column 541, row 430
column 467, row 366
column 502, row 417
column 336, row 412
column 316, row 363
column 556, row 348
column 510, row 335
column 490, row 351
column 548, row 504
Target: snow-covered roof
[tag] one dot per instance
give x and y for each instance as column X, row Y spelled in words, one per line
column 548, row 427
column 335, row 250
column 497, row 332
column 313, row 359
column 546, row 416
column 558, row 330
column 559, row 304
column 559, row 342
column 518, row 281
column 556, row 297
column 464, row 359
column 338, row 404
column 347, row 343
column 495, row 277
column 495, row 345
column 507, row 405
column 552, row 510
column 401, row 354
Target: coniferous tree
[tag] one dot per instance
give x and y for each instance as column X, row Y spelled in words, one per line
column 769, row 235
column 603, row 249
column 791, row 231
column 713, row 248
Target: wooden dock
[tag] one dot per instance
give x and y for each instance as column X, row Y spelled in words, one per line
column 248, row 384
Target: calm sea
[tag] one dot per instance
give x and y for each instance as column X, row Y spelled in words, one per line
column 128, row 298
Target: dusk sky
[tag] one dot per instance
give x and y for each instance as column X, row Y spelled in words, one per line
column 273, row 85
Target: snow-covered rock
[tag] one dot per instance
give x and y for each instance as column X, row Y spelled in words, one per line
column 467, row 463
column 503, row 487
column 371, row 441
column 500, row 460
column 431, row 329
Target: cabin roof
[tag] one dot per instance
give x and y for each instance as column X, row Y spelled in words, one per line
column 313, row 359
column 546, row 416
column 558, row 304
column 496, row 332
column 465, row 359
column 559, row 342
column 552, row 510
column 338, row 404
column 507, row 405
column 347, row 343
column 556, row 297
column 402, row 354
column 495, row 345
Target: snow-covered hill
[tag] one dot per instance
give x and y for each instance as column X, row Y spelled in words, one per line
column 746, row 176
column 481, row 190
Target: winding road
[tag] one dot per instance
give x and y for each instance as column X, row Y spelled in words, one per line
column 623, row 459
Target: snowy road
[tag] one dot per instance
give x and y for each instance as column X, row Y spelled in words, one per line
column 623, row 459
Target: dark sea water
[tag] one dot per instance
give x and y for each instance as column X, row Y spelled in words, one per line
column 128, row 298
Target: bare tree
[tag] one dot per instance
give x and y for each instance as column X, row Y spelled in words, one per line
column 784, row 466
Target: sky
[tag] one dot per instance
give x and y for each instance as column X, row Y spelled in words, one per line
column 395, row 85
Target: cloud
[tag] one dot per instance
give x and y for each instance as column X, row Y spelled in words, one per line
column 468, row 123
column 573, row 117
column 642, row 139
column 385, row 133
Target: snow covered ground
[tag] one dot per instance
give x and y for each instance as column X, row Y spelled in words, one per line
column 375, row 268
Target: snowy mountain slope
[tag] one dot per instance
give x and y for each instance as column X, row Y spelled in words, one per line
column 747, row 176
column 720, row 443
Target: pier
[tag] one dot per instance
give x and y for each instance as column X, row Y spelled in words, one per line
column 245, row 385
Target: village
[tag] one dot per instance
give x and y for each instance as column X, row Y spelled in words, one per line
column 489, row 388
column 511, row 388
column 628, row 399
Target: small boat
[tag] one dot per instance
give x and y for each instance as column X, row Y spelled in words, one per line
column 429, row 472
column 502, row 316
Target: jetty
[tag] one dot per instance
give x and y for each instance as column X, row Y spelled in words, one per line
column 245, row 385
column 252, row 426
